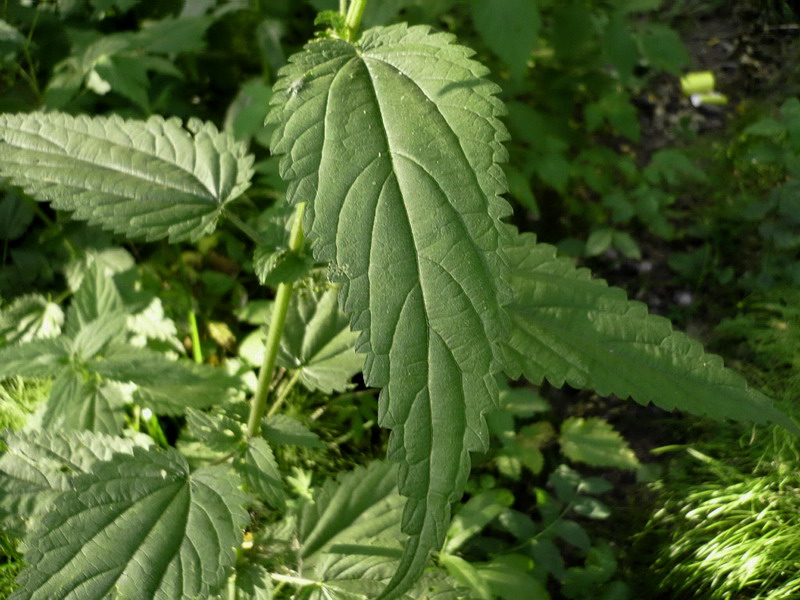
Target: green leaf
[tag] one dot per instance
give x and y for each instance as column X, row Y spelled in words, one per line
column 274, row 266
column 30, row 317
column 317, row 340
column 411, row 223
column 473, row 516
column 260, row 472
column 283, row 430
column 217, row 431
column 96, row 296
column 39, row 358
column 148, row 179
column 77, row 404
column 510, row 28
column 595, row 442
column 15, row 214
column 663, row 49
column 570, row 328
column 509, row 578
column 38, row 465
column 140, row 527
column 166, row 386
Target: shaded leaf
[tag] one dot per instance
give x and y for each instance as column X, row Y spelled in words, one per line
column 260, row 472
column 317, row 340
column 595, row 442
column 75, row 403
column 281, row 429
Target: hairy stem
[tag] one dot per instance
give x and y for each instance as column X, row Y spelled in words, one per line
column 353, row 18
column 280, row 308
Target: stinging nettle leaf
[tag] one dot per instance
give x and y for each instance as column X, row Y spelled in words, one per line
column 139, row 527
column 401, row 138
column 570, row 328
column 149, row 179
column 317, row 340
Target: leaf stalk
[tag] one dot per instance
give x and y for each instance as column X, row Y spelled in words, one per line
column 278, row 320
column 353, row 19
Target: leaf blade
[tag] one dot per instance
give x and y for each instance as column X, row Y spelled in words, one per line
column 412, row 226
column 570, row 328
column 150, row 179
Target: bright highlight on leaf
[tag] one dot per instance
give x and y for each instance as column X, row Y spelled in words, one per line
column 149, row 179
column 395, row 145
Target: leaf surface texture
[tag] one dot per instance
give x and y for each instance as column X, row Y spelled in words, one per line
column 395, row 145
column 149, row 179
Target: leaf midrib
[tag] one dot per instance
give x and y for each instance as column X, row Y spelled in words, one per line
column 212, row 195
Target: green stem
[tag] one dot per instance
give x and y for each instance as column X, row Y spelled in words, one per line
column 197, row 351
column 245, row 228
column 343, row 7
column 284, row 393
column 353, row 18
column 275, row 331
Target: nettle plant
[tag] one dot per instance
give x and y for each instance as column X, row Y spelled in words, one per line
column 392, row 147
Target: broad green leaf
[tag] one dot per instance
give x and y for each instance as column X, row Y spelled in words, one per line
column 260, row 472
column 96, row 335
column 570, row 328
column 166, row 386
column 467, row 575
column 595, row 442
column 75, row 403
column 510, row 28
column 317, row 340
column 39, row 358
column 338, row 513
column 30, row 317
column 282, row 430
column 140, row 527
column 149, row 179
column 663, row 48
column 395, row 145
column 38, row 465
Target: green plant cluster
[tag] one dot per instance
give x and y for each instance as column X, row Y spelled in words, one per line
column 208, row 317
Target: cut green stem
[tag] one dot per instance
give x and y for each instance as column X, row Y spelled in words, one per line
column 197, row 351
column 279, row 310
column 284, row 392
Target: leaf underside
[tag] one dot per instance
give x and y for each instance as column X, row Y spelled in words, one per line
column 395, row 145
column 138, row 527
column 570, row 328
column 149, row 179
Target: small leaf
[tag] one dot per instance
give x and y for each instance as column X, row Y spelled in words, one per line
column 30, row 317
column 217, row 431
column 148, row 179
column 260, row 473
column 274, row 266
column 663, row 49
column 39, row 358
column 140, row 527
column 77, row 404
column 509, row 577
column 571, row 532
column 473, row 516
column 595, row 442
column 317, row 340
column 283, row 430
